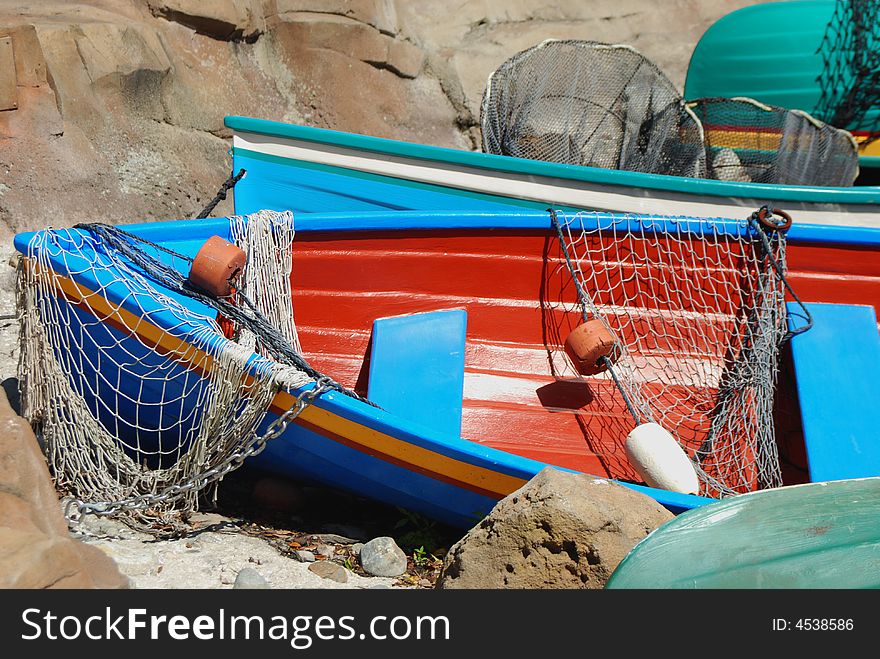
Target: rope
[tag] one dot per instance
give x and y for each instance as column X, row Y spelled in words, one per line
column 766, row 212
column 221, row 194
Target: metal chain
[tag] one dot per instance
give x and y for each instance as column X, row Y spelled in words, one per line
column 75, row 509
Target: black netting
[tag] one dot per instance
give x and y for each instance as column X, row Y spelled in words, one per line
column 593, row 104
column 587, row 103
column 850, row 78
column 751, row 142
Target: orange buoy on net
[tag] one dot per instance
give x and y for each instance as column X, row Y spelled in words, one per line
column 587, row 344
column 216, row 266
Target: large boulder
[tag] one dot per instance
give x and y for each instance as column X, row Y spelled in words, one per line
column 560, row 530
column 36, row 550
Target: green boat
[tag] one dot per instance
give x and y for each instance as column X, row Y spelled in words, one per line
column 818, row 535
column 776, row 53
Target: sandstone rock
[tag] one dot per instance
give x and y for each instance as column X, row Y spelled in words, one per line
column 380, row 14
column 278, row 494
column 36, row 550
column 8, row 78
column 478, row 36
column 229, row 20
column 249, row 579
column 358, row 41
column 383, row 558
column 560, row 530
column 328, row 570
column 373, row 96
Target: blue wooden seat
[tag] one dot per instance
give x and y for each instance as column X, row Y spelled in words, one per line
column 417, row 367
column 837, row 368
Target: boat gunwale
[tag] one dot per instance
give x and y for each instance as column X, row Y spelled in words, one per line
column 526, row 220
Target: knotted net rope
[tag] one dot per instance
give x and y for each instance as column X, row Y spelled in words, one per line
column 141, row 401
column 850, row 77
column 698, row 310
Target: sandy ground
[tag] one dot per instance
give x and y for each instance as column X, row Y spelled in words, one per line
column 211, row 558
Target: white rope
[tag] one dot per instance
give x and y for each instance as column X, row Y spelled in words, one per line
column 120, row 418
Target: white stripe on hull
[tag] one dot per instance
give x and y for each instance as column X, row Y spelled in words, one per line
column 545, row 189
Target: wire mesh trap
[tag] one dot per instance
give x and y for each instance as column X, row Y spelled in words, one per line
column 600, row 105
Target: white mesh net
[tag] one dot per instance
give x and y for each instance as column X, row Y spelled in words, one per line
column 698, row 311
column 132, row 391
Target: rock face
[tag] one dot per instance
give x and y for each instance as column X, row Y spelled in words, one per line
column 35, row 548
column 113, row 110
column 560, row 530
column 383, row 558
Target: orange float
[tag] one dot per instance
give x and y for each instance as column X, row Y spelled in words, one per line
column 216, row 266
column 587, row 344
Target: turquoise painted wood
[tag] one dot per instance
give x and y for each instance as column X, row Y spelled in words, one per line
column 417, row 368
column 818, row 535
column 837, row 372
column 769, row 52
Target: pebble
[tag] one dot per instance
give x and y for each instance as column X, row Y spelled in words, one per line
column 382, row 557
column 304, row 556
column 425, row 583
column 356, row 548
column 328, row 570
column 325, row 550
column 249, row 579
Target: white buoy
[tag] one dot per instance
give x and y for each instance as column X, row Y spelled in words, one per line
column 659, row 459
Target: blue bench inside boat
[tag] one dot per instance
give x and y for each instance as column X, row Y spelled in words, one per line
column 837, row 368
column 417, row 367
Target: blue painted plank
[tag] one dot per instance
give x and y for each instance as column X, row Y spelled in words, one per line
column 837, row 366
column 417, row 368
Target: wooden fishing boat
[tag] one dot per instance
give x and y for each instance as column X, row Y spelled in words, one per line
column 315, row 170
column 817, row 535
column 453, row 323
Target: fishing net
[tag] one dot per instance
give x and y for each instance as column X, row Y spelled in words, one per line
column 593, row 104
column 850, row 78
column 697, row 309
column 599, row 105
column 141, row 400
column 752, row 142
